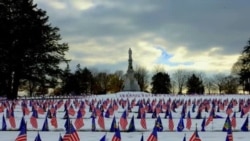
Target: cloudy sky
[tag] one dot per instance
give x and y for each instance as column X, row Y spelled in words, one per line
column 200, row 35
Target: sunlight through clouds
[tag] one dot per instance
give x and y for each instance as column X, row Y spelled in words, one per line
column 83, row 4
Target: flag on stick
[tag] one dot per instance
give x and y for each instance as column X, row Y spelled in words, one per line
column 189, row 121
column 38, row 138
column 101, row 121
column 143, row 120
column 4, row 125
column 103, row 138
column 117, row 135
column 79, row 120
column 195, row 136
column 244, row 127
column 12, row 119
column 153, row 135
column 131, row 127
column 229, row 136
column 71, row 134
column 123, row 120
column 22, row 135
column 33, row 119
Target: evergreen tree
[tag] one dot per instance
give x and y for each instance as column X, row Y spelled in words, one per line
column 242, row 67
column 161, row 83
column 195, row 85
column 29, row 45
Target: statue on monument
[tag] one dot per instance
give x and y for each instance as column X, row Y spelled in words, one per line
column 130, row 83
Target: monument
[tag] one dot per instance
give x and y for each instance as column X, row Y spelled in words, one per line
column 130, row 83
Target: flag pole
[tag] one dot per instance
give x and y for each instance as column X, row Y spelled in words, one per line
column 212, row 125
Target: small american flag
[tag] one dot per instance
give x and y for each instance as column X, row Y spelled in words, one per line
column 101, row 121
column 153, row 135
column 12, row 119
column 143, row 120
column 33, row 122
column 170, row 122
column 123, row 120
column 79, row 120
column 189, row 121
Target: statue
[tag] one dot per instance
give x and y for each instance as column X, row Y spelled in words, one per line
column 130, row 83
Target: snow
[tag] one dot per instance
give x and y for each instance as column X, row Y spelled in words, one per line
column 213, row 130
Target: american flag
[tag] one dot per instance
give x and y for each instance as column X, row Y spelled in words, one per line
column 170, row 122
column 26, row 110
column 229, row 109
column 123, row 120
column 4, row 125
column 60, row 138
column 79, row 120
column 153, row 136
column 33, row 122
column 143, row 120
column 101, row 121
column 40, row 110
column 233, row 120
column 22, row 135
column 71, row 134
column 189, row 121
column 117, row 135
column 229, row 135
column 211, row 117
column 71, row 111
column 195, row 136
column 103, row 138
column 38, row 138
column 53, row 120
column 12, row 119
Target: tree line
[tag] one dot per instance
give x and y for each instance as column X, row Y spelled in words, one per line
column 32, row 52
column 87, row 81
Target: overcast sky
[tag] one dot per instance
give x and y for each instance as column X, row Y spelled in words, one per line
column 201, row 35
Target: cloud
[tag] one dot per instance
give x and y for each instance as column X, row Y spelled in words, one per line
column 196, row 35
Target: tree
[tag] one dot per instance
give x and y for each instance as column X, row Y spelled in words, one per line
column 161, row 83
column 180, row 77
column 116, row 81
column 195, row 85
column 102, row 80
column 141, row 75
column 242, row 68
column 29, row 45
column 86, row 81
column 219, row 81
column 209, row 84
column 173, row 86
column 69, row 82
column 230, row 85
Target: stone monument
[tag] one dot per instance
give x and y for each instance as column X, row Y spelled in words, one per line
column 130, row 83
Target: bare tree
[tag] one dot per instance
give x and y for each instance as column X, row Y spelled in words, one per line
column 173, row 84
column 219, row 80
column 158, row 68
column 180, row 77
column 209, row 84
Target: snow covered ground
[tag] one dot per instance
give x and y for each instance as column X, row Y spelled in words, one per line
column 213, row 130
